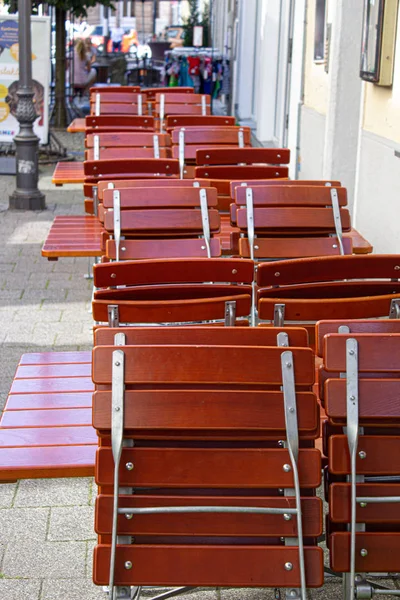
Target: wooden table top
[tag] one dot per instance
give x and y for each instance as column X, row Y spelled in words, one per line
column 68, row 172
column 46, row 427
column 77, row 126
column 73, row 236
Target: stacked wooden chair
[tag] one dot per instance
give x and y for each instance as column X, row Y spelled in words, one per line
column 206, row 467
column 360, row 394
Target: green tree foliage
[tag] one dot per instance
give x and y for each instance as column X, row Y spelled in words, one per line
column 196, row 19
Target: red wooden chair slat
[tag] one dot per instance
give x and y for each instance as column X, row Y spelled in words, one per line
column 131, row 140
column 240, row 172
column 149, row 197
column 163, row 182
column 117, row 153
column 119, row 122
column 278, row 193
column 295, row 247
column 293, row 218
column 128, row 168
column 208, row 467
column 212, row 525
column 121, row 89
column 179, row 98
column 220, row 413
column 287, row 182
column 104, row 336
column 231, row 366
column 168, row 248
column 205, row 565
column 382, row 552
column 179, row 271
column 163, row 220
column 290, row 272
column 232, row 156
column 198, row 121
column 150, row 93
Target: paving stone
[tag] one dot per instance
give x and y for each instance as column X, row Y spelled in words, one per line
column 74, row 589
column 55, row 560
column 71, row 523
column 7, row 493
column 81, row 339
column 53, row 492
column 19, row 524
column 20, row 589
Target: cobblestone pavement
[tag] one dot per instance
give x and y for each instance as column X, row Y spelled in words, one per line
column 46, row 526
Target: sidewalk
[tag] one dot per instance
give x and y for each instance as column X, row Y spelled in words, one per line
column 46, row 526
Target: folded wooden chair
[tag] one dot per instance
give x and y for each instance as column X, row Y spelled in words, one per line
column 210, row 468
column 127, row 145
column 186, row 141
column 291, row 221
column 113, row 123
column 173, row 291
column 124, row 168
column 162, row 222
column 334, row 287
column 362, row 405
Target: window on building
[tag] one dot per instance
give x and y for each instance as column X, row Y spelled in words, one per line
column 319, row 32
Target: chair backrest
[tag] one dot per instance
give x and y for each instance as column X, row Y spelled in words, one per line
column 340, row 287
column 111, row 123
column 362, row 394
column 127, row 145
column 172, row 291
column 198, row 121
column 161, row 222
column 289, row 221
column 233, row 445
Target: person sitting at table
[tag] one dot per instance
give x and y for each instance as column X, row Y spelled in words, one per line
column 84, row 73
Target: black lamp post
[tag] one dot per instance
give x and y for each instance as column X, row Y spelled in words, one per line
column 27, row 195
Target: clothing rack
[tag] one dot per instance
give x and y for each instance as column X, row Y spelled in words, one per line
column 206, row 69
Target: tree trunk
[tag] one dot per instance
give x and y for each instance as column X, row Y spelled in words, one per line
column 60, row 111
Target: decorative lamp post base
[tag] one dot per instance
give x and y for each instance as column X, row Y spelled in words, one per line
column 27, row 200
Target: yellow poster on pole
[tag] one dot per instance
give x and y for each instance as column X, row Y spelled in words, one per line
column 9, row 75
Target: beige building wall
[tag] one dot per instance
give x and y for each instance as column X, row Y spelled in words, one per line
column 316, row 80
